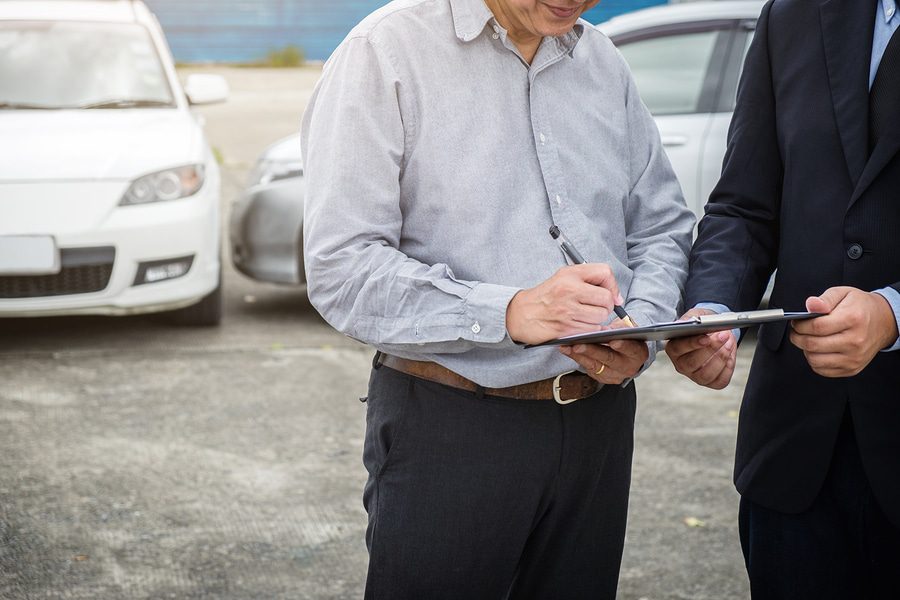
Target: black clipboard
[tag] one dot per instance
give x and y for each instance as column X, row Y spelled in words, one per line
column 675, row 329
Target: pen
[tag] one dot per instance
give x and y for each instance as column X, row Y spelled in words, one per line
column 578, row 259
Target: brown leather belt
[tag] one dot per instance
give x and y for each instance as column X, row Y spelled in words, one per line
column 570, row 386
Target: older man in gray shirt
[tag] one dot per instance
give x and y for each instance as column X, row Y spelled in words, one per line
column 442, row 142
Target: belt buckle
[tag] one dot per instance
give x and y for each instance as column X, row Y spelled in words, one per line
column 557, row 387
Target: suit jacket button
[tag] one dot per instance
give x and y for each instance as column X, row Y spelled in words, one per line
column 855, row 251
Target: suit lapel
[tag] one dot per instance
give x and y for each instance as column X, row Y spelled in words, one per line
column 882, row 154
column 847, row 29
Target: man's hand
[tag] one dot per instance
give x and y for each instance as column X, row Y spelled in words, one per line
column 577, row 299
column 707, row 359
column 609, row 363
column 857, row 325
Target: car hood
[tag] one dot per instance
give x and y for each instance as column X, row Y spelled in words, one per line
column 79, row 145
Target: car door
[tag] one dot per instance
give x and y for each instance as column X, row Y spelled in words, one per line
column 680, row 70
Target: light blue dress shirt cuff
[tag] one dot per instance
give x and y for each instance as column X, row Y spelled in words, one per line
column 719, row 309
column 893, row 298
column 486, row 308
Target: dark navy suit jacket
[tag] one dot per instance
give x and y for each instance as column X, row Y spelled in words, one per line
column 800, row 192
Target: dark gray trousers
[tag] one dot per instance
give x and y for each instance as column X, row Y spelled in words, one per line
column 473, row 497
column 843, row 547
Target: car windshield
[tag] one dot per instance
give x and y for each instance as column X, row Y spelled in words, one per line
column 53, row 65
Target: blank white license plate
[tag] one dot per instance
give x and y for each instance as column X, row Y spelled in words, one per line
column 28, row 255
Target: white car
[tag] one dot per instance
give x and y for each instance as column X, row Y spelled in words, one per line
column 686, row 60
column 109, row 192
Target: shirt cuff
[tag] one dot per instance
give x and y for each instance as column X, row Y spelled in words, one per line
column 719, row 309
column 893, row 298
column 486, row 308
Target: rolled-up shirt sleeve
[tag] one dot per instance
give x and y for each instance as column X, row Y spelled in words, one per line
column 354, row 137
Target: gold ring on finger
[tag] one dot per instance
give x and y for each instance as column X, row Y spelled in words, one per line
column 600, row 370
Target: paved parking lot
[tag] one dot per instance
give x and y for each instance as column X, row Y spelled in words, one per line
column 138, row 460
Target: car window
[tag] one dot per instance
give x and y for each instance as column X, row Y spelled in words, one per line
column 74, row 65
column 670, row 70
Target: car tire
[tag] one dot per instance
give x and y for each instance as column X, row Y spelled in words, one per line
column 206, row 313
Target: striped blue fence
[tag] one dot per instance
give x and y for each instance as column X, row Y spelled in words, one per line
column 246, row 30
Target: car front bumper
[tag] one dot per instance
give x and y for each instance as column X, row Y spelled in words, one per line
column 92, row 227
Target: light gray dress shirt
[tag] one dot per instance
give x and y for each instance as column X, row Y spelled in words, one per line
column 436, row 161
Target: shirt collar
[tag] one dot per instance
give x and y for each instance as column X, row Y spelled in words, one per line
column 570, row 38
column 888, row 9
column 471, row 16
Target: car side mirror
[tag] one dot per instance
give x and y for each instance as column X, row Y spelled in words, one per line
column 202, row 88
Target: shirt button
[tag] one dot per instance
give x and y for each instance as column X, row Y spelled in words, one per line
column 558, row 199
column 476, row 328
column 855, row 251
column 543, row 138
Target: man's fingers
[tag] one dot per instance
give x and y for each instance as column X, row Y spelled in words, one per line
column 820, row 344
column 618, row 365
column 575, row 299
column 818, row 305
column 598, row 353
column 832, row 364
column 821, row 326
column 826, row 304
column 692, row 363
column 711, row 341
column 724, row 377
column 828, row 301
column 705, row 360
column 592, row 315
column 591, row 365
column 607, row 374
column 712, row 370
column 599, row 275
column 823, row 361
column 708, row 360
column 616, row 352
column 592, row 295
column 680, row 346
column 724, row 352
column 631, row 348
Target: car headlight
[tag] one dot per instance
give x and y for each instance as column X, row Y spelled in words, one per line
column 267, row 171
column 170, row 184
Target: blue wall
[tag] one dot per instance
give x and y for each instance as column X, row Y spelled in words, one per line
column 246, row 30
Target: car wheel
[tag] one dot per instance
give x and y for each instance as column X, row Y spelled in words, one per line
column 206, row 313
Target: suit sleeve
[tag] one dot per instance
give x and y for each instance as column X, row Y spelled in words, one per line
column 737, row 244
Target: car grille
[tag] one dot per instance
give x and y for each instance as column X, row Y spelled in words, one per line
column 84, row 270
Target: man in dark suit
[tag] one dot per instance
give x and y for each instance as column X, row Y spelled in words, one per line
column 811, row 186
